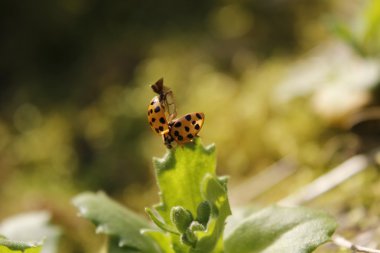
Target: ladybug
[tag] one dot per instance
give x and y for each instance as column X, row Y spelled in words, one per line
column 166, row 97
column 185, row 129
column 156, row 116
column 181, row 130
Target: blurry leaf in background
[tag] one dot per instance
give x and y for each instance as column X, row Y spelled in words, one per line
column 362, row 33
column 371, row 36
column 338, row 81
column 32, row 227
column 232, row 21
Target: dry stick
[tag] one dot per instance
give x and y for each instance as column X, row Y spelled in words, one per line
column 324, row 183
column 342, row 242
column 349, row 168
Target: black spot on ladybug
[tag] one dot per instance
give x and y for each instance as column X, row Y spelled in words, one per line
column 151, row 103
column 157, row 109
column 180, row 137
column 157, row 131
column 188, row 117
column 178, row 124
column 198, row 116
column 193, row 122
column 197, row 127
column 150, row 123
column 190, row 136
column 187, row 129
column 148, row 113
column 151, row 110
column 153, row 119
column 176, row 133
column 162, row 120
column 161, row 128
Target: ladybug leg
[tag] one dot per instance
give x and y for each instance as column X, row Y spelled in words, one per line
column 164, row 140
column 172, row 116
column 167, row 139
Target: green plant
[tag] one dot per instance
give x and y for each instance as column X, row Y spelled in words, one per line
column 29, row 232
column 363, row 34
column 193, row 211
column 11, row 246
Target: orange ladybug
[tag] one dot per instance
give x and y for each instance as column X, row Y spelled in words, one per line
column 181, row 130
column 156, row 117
column 186, row 128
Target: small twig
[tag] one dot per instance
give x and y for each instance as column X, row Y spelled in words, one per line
column 342, row 242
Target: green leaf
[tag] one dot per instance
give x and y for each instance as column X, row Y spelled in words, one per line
column 181, row 218
column 117, row 221
column 371, row 35
column 160, row 223
column 180, row 174
column 162, row 238
column 186, row 177
column 32, row 226
column 281, row 229
column 10, row 246
column 113, row 247
column 347, row 35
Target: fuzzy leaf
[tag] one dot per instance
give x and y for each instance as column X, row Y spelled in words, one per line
column 180, row 173
column 113, row 247
column 160, row 223
column 117, row 221
column 162, row 238
column 32, row 226
column 10, row 246
column 281, row 229
column 186, row 177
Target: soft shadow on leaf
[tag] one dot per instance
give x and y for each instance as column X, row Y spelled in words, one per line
column 281, row 229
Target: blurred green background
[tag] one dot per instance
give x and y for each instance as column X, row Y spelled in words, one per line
column 274, row 78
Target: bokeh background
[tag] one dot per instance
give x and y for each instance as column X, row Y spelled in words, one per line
column 276, row 78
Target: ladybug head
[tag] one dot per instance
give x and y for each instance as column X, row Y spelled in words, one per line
column 158, row 86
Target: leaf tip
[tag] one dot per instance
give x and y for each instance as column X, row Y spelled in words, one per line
column 164, row 163
column 210, row 148
column 101, row 229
